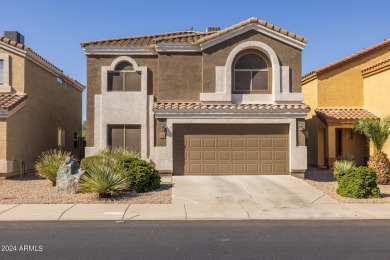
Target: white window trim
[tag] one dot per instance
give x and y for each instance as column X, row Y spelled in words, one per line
column 6, row 87
column 124, row 80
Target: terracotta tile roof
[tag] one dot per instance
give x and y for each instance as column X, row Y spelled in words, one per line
column 32, row 53
column 200, row 106
column 378, row 66
column 184, row 36
column 146, row 40
column 10, row 101
column 352, row 114
column 384, row 44
column 257, row 21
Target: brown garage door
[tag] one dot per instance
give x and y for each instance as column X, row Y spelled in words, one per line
column 230, row 149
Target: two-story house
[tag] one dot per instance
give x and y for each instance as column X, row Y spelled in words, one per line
column 40, row 107
column 201, row 103
column 339, row 94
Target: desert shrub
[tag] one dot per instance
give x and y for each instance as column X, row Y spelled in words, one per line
column 357, row 182
column 343, row 165
column 104, row 177
column 142, row 175
column 88, row 161
column 49, row 162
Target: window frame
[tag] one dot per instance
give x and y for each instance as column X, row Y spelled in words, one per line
column 251, row 90
column 6, row 86
column 123, row 127
column 124, row 72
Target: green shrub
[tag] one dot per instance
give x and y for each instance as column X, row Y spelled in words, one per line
column 104, row 177
column 357, row 182
column 49, row 162
column 343, row 165
column 142, row 175
column 88, row 161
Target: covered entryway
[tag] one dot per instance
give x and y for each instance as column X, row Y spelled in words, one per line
column 210, row 149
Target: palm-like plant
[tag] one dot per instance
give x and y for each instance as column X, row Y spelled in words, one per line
column 377, row 132
column 104, row 177
column 49, row 162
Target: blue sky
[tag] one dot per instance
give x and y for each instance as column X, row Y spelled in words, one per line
column 55, row 29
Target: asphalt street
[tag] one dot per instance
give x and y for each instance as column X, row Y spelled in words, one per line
column 196, row 240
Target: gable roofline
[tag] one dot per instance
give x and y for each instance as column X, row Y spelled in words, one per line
column 314, row 74
column 188, row 41
column 27, row 52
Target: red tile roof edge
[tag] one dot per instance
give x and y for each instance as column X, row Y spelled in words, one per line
column 351, row 57
column 39, row 57
column 12, row 100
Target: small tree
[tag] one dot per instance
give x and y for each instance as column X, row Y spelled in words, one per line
column 377, row 132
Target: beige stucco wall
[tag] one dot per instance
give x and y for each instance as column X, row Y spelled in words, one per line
column 50, row 105
column 377, row 96
column 94, row 67
column 3, row 139
column 16, row 70
column 343, row 85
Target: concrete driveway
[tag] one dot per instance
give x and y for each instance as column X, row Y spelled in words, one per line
column 247, row 189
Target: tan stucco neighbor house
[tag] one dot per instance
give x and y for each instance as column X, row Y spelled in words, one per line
column 40, row 107
column 201, row 103
column 339, row 94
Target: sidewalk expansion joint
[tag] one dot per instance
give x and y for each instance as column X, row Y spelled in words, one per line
column 247, row 213
column 9, row 209
column 317, row 198
column 66, row 211
column 248, row 192
column 185, row 210
column 123, row 217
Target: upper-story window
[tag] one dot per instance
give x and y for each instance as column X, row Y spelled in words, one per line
column 252, row 74
column 124, row 78
column 1, row 72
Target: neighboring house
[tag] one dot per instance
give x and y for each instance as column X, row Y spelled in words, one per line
column 355, row 87
column 40, row 107
column 201, row 103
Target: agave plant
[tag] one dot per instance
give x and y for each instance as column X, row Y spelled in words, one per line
column 49, row 162
column 377, row 132
column 105, row 177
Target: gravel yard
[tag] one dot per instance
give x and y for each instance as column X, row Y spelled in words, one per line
column 324, row 181
column 35, row 190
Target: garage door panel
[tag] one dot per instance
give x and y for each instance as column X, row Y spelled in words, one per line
column 238, row 142
column 266, row 155
column 280, row 155
column 238, row 168
column 195, row 156
column 252, row 155
column 280, row 168
column 266, row 142
column 238, row 155
column 209, row 168
column 210, row 155
column 230, row 149
column 209, row 143
column 252, row 168
column 224, row 168
column 252, row 142
column 266, row 168
column 223, row 142
column 280, row 142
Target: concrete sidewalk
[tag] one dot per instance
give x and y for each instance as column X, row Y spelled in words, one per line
column 225, row 211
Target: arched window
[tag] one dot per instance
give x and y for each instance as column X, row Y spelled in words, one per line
column 251, row 74
column 124, row 78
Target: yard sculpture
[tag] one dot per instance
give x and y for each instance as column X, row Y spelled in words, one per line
column 68, row 177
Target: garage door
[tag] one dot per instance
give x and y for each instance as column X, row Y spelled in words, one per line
column 230, row 149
